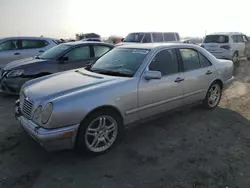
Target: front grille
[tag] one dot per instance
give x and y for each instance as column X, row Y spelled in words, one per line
column 26, row 106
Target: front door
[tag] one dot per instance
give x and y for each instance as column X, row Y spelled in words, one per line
column 159, row 95
column 76, row 58
column 198, row 74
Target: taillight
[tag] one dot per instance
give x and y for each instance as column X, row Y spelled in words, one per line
column 226, row 47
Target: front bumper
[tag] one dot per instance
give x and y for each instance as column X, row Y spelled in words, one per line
column 51, row 139
column 12, row 85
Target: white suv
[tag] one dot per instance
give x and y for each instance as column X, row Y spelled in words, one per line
column 150, row 37
column 228, row 45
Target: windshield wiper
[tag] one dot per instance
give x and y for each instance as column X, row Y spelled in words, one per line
column 111, row 73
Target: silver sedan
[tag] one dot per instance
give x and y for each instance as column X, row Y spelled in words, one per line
column 88, row 108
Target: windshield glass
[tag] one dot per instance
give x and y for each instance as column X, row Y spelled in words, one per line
column 54, row 51
column 133, row 37
column 216, row 39
column 121, row 61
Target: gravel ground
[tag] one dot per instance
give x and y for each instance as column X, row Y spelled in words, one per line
column 188, row 148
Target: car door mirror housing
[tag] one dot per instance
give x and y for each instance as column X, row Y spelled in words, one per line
column 149, row 75
column 65, row 58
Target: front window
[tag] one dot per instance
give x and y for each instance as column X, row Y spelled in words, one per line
column 120, row 62
column 216, row 39
column 54, row 51
column 133, row 37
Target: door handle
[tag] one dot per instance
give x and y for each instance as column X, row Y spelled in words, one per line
column 209, row 72
column 17, row 53
column 178, row 80
column 41, row 51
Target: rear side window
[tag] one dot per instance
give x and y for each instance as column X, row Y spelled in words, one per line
column 147, row 38
column 165, row 62
column 11, row 45
column 29, row 44
column 234, row 38
column 100, row 50
column 204, row 61
column 240, row 38
column 157, row 37
column 169, row 37
column 216, row 39
column 190, row 59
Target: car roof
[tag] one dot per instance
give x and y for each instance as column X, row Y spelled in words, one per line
column 87, row 42
column 23, row 37
column 150, row 46
column 227, row 33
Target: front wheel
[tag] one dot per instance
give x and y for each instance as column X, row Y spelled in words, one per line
column 99, row 132
column 213, row 96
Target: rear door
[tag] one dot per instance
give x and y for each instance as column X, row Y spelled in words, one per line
column 198, row 74
column 216, row 44
column 77, row 57
column 10, row 50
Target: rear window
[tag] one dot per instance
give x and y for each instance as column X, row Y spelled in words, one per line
column 169, row 36
column 216, row 39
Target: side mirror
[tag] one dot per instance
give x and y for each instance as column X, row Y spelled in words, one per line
column 122, row 39
column 149, row 75
column 65, row 58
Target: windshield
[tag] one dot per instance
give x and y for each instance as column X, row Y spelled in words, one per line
column 123, row 62
column 133, row 37
column 216, row 39
column 54, row 51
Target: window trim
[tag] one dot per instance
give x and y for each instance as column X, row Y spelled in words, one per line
column 178, row 62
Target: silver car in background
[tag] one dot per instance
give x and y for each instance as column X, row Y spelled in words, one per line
column 15, row 48
column 88, row 108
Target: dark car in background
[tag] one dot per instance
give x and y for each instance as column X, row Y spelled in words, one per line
column 62, row 57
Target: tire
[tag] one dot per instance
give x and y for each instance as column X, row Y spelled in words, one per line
column 93, row 137
column 209, row 103
column 235, row 57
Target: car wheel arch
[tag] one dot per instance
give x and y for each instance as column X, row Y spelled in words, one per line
column 109, row 108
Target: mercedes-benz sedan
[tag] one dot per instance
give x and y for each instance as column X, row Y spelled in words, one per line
column 128, row 84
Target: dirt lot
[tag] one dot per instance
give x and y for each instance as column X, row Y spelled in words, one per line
column 190, row 148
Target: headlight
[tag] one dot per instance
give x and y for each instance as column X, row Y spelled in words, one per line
column 37, row 114
column 46, row 113
column 14, row 73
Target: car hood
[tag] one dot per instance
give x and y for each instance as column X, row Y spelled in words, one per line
column 22, row 63
column 67, row 83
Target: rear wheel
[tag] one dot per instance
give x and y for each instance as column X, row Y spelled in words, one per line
column 213, row 96
column 99, row 132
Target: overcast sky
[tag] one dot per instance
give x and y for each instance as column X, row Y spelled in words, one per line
column 64, row 18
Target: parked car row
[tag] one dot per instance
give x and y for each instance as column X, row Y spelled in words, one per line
column 87, row 108
column 61, row 57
